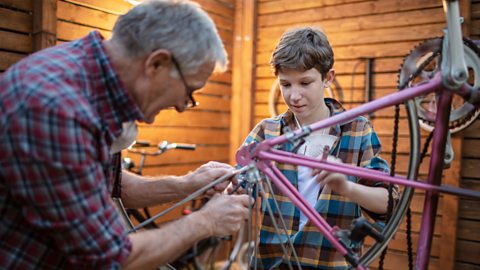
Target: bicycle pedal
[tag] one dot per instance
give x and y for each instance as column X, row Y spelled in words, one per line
column 361, row 227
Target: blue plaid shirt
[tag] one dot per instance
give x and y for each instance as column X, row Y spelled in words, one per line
column 357, row 144
column 60, row 109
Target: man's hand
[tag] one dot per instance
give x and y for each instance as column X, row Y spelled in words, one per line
column 208, row 173
column 337, row 182
column 235, row 187
column 225, row 213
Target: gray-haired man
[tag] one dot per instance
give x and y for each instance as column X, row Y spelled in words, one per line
column 62, row 113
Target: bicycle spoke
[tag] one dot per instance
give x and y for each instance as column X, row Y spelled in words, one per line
column 236, row 248
column 277, row 232
column 170, row 267
column 249, row 229
column 259, row 187
column 211, row 258
column 255, row 245
column 270, row 189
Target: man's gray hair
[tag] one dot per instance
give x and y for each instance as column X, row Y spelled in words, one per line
column 178, row 26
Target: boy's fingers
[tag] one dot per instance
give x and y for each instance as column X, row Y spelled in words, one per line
column 321, row 176
column 315, row 172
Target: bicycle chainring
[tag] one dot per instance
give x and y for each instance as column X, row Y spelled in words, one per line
column 421, row 64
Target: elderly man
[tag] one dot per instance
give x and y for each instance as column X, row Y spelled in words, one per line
column 66, row 110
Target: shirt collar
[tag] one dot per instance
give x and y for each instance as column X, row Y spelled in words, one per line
column 114, row 104
column 333, row 105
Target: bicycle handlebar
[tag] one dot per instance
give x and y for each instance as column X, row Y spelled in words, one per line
column 139, row 144
column 162, row 147
column 184, row 146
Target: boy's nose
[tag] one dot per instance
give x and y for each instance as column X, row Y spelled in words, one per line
column 295, row 95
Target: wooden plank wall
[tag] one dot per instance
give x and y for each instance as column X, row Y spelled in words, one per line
column 468, row 224
column 15, row 31
column 385, row 31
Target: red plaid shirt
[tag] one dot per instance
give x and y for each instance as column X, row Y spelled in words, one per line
column 60, row 109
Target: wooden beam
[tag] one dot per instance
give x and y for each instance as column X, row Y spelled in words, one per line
column 44, row 24
column 25, row 5
column 466, row 13
column 243, row 73
column 449, row 209
column 117, row 7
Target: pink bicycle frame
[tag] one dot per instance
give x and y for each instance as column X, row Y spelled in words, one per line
column 262, row 155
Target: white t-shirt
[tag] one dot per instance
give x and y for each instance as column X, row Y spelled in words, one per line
column 307, row 185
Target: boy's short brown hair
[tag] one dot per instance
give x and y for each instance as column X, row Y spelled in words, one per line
column 302, row 49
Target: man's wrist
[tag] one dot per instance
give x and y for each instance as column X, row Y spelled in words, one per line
column 190, row 183
column 201, row 223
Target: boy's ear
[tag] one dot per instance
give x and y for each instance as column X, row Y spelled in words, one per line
column 330, row 76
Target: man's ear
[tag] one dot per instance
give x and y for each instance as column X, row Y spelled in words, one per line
column 157, row 61
column 329, row 77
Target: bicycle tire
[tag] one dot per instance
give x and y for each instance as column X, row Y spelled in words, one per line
column 404, row 202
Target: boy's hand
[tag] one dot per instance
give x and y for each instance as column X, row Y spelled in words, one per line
column 337, row 182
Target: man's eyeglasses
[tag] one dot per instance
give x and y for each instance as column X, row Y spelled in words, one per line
column 190, row 103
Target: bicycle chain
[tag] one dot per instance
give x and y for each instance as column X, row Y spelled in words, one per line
column 419, row 69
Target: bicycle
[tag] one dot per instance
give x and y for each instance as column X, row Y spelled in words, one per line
column 205, row 248
column 450, row 77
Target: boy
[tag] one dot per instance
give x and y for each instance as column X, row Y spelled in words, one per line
column 302, row 62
